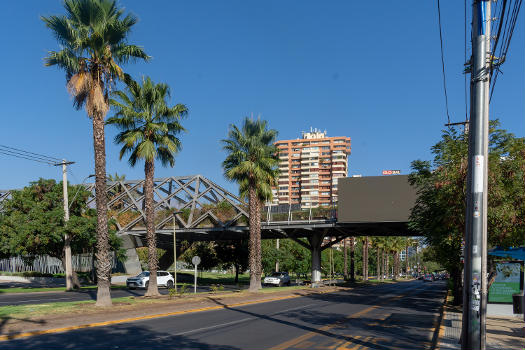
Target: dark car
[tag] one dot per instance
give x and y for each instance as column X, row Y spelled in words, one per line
column 428, row 278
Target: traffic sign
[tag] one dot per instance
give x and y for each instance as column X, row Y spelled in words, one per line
column 196, row 260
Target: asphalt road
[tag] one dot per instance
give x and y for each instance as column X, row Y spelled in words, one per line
column 388, row 316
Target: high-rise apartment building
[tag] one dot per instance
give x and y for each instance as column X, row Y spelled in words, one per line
column 309, row 169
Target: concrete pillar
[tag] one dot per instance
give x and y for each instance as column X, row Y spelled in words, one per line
column 316, row 240
column 132, row 263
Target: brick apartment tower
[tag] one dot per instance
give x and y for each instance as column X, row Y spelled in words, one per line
column 309, row 169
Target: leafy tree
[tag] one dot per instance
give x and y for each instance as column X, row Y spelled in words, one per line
column 149, row 130
column 439, row 212
column 292, row 257
column 233, row 254
column 204, row 250
column 93, row 40
column 142, row 253
column 32, row 223
column 252, row 163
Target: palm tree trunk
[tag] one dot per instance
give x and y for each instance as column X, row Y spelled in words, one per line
column 378, row 264
column 352, row 260
column 345, row 267
column 365, row 259
column 406, row 262
column 395, row 265
column 149, row 172
column 254, row 244
column 383, row 264
column 386, row 265
column 367, row 270
column 103, row 249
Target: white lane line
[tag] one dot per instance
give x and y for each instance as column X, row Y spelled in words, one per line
column 212, row 327
column 294, row 308
column 232, row 322
column 32, row 300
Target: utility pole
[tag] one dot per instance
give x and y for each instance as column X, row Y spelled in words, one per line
column 475, row 282
column 67, row 239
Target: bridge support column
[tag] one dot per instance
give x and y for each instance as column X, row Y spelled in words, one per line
column 132, row 263
column 316, row 240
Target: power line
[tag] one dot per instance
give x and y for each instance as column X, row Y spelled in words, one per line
column 24, row 157
column 508, row 16
column 443, row 60
column 465, row 60
column 19, row 153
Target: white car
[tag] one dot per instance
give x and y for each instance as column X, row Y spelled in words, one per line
column 164, row 278
column 277, row 279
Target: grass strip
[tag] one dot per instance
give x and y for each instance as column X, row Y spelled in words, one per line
column 48, row 289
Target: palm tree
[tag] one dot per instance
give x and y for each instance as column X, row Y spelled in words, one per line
column 92, row 35
column 252, row 163
column 379, row 243
column 397, row 244
column 365, row 258
column 148, row 131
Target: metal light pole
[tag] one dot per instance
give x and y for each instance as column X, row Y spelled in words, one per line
column 475, row 283
column 277, row 261
column 175, row 252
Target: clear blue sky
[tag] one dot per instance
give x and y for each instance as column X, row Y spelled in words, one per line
column 370, row 70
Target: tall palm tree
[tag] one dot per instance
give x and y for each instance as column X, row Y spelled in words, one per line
column 93, row 39
column 148, row 131
column 365, row 241
column 252, row 163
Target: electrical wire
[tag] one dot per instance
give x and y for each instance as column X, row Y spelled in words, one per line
column 443, row 60
column 24, row 157
column 508, row 16
column 465, row 60
column 30, row 154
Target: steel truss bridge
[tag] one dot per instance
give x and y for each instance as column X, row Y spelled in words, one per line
column 200, row 210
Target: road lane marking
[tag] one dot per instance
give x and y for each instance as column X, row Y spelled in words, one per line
column 306, row 336
column 233, row 322
column 210, row 327
column 140, row 318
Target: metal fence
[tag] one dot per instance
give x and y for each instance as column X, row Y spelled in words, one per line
column 49, row 265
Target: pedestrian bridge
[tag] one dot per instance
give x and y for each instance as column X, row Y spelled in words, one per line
column 198, row 209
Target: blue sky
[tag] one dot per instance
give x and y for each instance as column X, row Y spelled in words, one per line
column 370, row 70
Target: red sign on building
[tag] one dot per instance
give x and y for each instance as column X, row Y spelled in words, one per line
column 391, row 172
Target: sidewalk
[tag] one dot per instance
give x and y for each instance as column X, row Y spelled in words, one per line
column 502, row 332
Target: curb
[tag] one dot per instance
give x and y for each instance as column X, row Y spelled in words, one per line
column 146, row 317
column 439, row 327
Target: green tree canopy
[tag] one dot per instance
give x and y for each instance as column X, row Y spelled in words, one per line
column 32, row 222
column 439, row 212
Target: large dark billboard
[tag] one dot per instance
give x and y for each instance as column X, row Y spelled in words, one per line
column 375, row 199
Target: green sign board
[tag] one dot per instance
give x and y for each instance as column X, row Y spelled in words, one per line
column 507, row 282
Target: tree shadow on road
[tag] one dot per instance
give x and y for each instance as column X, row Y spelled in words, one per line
column 122, row 336
column 410, row 321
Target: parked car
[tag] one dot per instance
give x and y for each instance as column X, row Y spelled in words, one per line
column 164, row 279
column 277, row 279
column 428, row 278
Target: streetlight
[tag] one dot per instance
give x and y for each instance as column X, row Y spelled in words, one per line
column 175, row 251
column 78, row 190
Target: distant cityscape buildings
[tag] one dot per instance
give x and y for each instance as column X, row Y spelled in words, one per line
column 309, row 169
